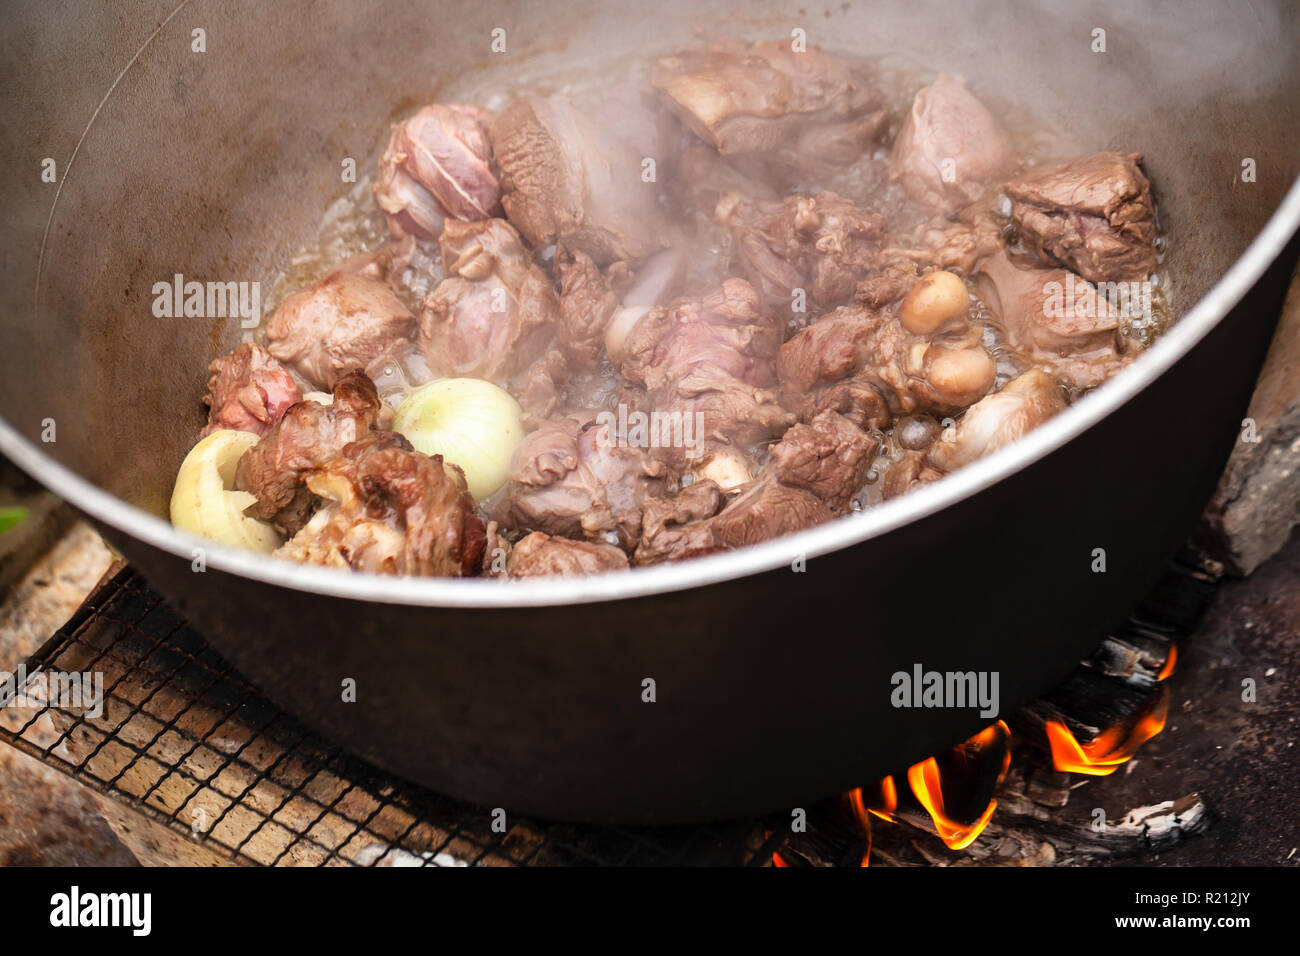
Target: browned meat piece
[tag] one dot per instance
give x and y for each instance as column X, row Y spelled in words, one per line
column 496, row 552
column 309, row 435
column 710, row 361
column 942, row 373
column 908, row 471
column 539, row 394
column 1079, row 341
column 1092, row 215
column 438, row 165
column 830, row 456
column 860, row 399
column 726, row 330
column 540, row 554
column 249, row 391
column 889, row 284
column 997, row 420
column 674, row 528
column 566, row 179
column 768, row 98
column 766, row 509
column 821, row 243
column 348, row 320
column 728, row 411
column 575, row 480
column 388, row 509
column 836, row 346
column 587, row 302
column 956, row 246
column 495, row 312
column 950, row 148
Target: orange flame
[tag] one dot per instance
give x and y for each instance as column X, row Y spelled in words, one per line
column 926, row 781
column 883, row 801
column 1170, row 661
column 1108, row 751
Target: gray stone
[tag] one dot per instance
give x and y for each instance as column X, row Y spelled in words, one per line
column 1258, row 499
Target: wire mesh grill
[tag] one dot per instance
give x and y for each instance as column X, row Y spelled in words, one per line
column 183, row 738
column 186, row 740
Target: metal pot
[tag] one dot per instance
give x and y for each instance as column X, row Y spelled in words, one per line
column 772, row 686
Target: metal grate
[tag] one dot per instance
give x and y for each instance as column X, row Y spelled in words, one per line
column 187, row 741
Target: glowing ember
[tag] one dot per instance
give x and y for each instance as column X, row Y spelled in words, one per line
column 1111, row 748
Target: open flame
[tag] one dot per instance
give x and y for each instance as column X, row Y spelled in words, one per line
column 926, row 780
column 926, row 785
column 881, row 800
column 1112, row 747
column 935, row 784
column 1170, row 661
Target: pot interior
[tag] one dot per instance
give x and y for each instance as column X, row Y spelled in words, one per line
column 216, row 165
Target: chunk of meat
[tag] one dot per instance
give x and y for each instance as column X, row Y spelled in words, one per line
column 347, row 320
column 727, row 329
column 942, row 244
column 587, row 303
column 574, row 479
column 308, row 435
column 886, row 285
column 388, row 509
column 821, row 243
column 766, row 509
column 859, row 399
column 709, row 360
column 1092, row 215
column 437, row 165
column 830, row 456
column 539, row 554
column 942, row 373
column 249, row 391
column 675, row 528
column 542, row 387
column 496, row 310
column 950, row 148
column 1055, row 320
column 566, row 179
column 997, row 420
column 496, row 552
column 909, row 470
column 769, row 98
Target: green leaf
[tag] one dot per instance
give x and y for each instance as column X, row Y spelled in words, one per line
column 11, row 518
